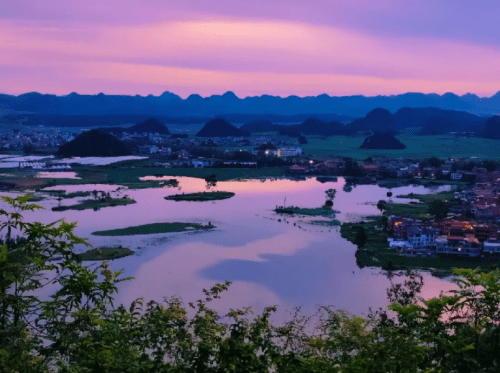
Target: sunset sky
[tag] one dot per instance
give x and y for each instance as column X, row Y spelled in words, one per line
column 252, row 47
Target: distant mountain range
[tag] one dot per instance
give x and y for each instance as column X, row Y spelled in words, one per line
column 341, row 109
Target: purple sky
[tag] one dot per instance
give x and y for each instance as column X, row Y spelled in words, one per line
column 250, row 47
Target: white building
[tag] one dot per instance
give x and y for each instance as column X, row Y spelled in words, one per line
column 491, row 247
column 289, row 152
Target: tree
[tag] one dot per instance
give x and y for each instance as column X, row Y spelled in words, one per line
column 211, row 181
column 381, row 204
column 330, row 193
column 439, row 209
column 360, row 238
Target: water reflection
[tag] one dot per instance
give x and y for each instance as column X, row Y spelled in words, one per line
column 269, row 261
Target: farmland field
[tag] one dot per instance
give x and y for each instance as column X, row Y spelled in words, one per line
column 416, row 146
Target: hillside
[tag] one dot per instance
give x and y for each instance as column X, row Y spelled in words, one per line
column 491, row 128
column 94, row 143
column 150, row 125
column 314, row 126
column 259, row 126
column 383, row 141
column 377, row 120
column 220, row 127
column 418, row 117
column 438, row 126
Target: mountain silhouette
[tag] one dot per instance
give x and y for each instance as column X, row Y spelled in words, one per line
column 216, row 105
column 259, row 126
column 220, row 127
column 150, row 125
column 418, row 117
column 377, row 120
column 383, row 141
column 94, row 143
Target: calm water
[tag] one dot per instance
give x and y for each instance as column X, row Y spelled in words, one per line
column 288, row 263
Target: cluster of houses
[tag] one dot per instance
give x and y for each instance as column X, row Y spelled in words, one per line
column 447, row 237
column 36, row 138
column 481, row 202
column 472, row 228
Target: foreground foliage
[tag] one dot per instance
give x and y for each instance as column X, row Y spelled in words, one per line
column 79, row 329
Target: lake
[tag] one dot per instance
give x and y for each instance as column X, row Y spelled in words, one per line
column 270, row 260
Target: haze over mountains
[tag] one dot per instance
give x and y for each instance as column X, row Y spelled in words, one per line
column 228, row 104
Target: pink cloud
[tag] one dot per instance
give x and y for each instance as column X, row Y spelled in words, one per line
column 250, row 57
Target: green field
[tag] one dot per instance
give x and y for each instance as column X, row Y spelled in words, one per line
column 96, row 204
column 106, row 253
column 153, row 229
column 416, row 147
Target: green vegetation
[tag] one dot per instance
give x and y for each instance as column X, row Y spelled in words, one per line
column 78, row 328
column 200, row 197
column 320, row 211
column 325, row 223
column 394, row 183
column 431, row 205
column 415, row 211
column 63, row 194
column 153, row 229
column 96, row 204
column 426, row 198
column 105, row 253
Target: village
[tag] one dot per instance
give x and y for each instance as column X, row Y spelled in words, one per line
column 469, row 229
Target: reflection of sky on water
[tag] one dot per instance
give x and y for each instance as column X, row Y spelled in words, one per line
column 269, row 262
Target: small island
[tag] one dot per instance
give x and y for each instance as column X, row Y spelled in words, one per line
column 293, row 210
column 63, row 194
column 200, row 197
column 96, row 204
column 105, row 253
column 154, row 228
